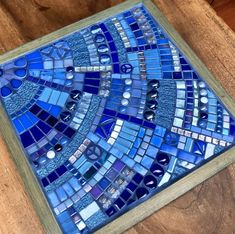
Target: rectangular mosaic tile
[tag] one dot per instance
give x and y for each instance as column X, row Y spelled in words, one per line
column 111, row 114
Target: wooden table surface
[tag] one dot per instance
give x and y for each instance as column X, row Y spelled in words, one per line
column 208, row 208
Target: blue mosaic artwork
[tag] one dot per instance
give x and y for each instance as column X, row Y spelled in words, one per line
column 110, row 115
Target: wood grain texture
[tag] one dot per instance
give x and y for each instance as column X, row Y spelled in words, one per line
column 226, row 10
column 209, row 208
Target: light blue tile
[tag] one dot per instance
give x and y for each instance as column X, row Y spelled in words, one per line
column 74, row 183
column 68, row 189
column 147, row 162
column 53, row 199
column 61, row 194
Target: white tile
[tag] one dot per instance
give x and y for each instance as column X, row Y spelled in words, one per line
column 87, row 212
column 178, row 122
column 209, row 150
column 165, row 179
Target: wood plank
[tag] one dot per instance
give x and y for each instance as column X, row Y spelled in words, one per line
column 16, row 212
column 24, row 30
column 226, row 10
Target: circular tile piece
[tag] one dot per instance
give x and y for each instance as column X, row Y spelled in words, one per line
column 51, row 154
column 126, row 68
column 42, row 160
column 163, row 159
column 152, row 95
column 105, row 59
column 71, row 106
column 70, row 69
column 76, row 94
column 103, row 49
column 58, row 147
column 95, row 29
column 128, row 81
column 65, row 116
column 5, row 91
column 149, row 115
column 124, row 102
column 64, row 140
column 204, row 100
column 157, row 170
column 126, row 95
column 201, row 84
column 69, row 75
column 152, row 104
column 153, row 84
column 99, row 38
column 203, row 92
column 150, row 181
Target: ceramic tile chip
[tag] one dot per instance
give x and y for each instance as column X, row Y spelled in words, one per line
column 109, row 115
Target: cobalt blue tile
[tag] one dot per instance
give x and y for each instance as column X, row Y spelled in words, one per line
column 132, row 186
column 104, row 183
column 92, row 82
column 136, row 120
column 26, row 139
column 44, row 127
column 116, row 68
column 52, row 177
column 177, row 75
column 134, row 26
column 61, row 170
column 125, row 195
column 130, row 20
column 43, row 115
column 109, row 112
column 195, row 76
column 35, row 66
column 92, row 74
column 115, row 57
column 137, row 178
column 112, row 46
column 148, row 47
column 45, row 182
column 119, row 203
column 34, row 55
column 149, row 125
column 111, row 211
column 138, row 33
column 5, row 91
column 90, row 89
column 167, row 75
column 127, row 14
column 69, row 132
column 135, row 49
column 52, row 121
column 108, row 36
column 37, row 134
column 103, row 27
column 154, row 46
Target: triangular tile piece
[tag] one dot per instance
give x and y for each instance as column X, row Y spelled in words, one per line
column 124, row 86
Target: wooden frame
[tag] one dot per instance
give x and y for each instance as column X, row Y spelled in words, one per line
column 159, row 200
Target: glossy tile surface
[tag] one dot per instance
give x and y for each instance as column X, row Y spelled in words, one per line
column 110, row 114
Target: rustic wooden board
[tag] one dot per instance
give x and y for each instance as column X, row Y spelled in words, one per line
column 226, row 64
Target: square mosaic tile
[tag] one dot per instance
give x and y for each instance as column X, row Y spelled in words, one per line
column 109, row 115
